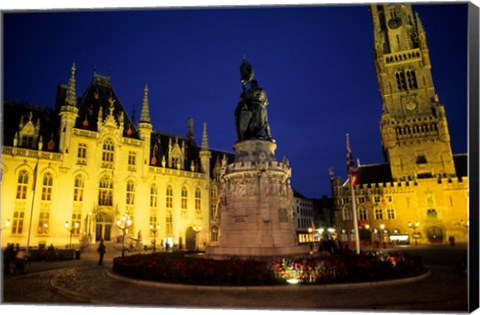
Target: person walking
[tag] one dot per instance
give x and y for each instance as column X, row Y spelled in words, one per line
column 101, row 251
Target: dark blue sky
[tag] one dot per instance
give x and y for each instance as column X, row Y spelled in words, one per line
column 315, row 63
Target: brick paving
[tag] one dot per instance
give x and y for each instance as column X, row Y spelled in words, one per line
column 83, row 282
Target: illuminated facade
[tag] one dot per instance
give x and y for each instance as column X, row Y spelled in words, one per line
column 421, row 191
column 86, row 163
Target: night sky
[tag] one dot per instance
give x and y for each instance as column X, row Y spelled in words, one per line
column 314, row 62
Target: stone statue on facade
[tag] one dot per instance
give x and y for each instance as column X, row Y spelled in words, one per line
column 251, row 119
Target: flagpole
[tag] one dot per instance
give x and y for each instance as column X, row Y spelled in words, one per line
column 35, row 173
column 354, row 207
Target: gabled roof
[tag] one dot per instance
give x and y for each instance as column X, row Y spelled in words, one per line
column 49, row 122
column 99, row 94
column 374, row 173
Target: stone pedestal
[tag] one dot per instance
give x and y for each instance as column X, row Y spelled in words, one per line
column 256, row 213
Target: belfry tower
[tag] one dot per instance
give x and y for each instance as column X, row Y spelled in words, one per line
column 414, row 130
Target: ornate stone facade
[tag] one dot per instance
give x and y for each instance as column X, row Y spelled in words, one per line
column 421, row 181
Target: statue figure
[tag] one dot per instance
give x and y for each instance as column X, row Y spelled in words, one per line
column 251, row 118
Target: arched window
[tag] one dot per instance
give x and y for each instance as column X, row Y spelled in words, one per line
column 78, row 188
column 130, row 193
column 153, row 196
column 108, row 151
column 378, row 214
column 17, row 222
column 184, row 198
column 105, row 191
column 390, row 213
column 362, row 215
column 198, row 199
column 47, row 187
column 169, row 200
column 214, row 235
column 401, row 83
column 22, row 185
column 411, row 79
column 169, row 223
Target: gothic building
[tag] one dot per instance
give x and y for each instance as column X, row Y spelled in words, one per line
column 76, row 171
column 421, row 191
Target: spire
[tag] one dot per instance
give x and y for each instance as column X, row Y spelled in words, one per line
column 145, row 114
column 204, row 137
column 71, row 95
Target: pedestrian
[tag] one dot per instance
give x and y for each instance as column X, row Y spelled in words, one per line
column 101, row 251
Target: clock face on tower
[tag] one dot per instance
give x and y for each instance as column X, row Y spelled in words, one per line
column 395, row 22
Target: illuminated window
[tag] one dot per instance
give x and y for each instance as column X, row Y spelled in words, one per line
column 130, row 193
column 169, row 223
column 76, row 220
column 153, row 196
column 362, row 214
column 391, row 213
column 22, row 185
column 105, row 192
column 131, row 158
column 17, row 222
column 378, row 214
column 153, row 220
column 184, row 198
column 78, row 188
column 108, row 151
column 198, row 199
column 82, row 152
column 43, row 221
column 47, row 187
column 347, row 214
column 214, row 235
column 169, row 200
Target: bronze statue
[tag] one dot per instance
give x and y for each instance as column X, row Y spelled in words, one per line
column 251, row 119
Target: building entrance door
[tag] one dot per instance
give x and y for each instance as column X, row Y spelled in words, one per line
column 104, row 227
column 435, row 234
column 190, row 239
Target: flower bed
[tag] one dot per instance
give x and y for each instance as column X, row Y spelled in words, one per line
column 345, row 268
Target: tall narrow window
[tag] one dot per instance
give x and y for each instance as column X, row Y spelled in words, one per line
column 108, row 151
column 105, row 192
column 153, row 222
column 169, row 200
column 153, row 196
column 76, row 222
column 362, row 214
column 43, row 221
column 184, row 200
column 391, row 213
column 78, row 188
column 169, row 223
column 131, row 158
column 214, row 235
column 411, row 79
column 130, row 193
column 22, row 185
column 198, row 199
column 401, row 83
column 47, row 187
column 378, row 214
column 17, row 222
column 82, row 153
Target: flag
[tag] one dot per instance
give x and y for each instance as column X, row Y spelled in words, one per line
column 352, row 172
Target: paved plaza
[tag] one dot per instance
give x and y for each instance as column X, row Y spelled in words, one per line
column 84, row 282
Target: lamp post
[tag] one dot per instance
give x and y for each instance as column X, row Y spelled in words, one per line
column 123, row 225
column 414, row 226
column 71, row 230
column 7, row 225
column 196, row 229
column 382, row 237
column 154, row 229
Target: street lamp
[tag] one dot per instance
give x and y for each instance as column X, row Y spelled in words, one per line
column 414, row 226
column 7, row 225
column 197, row 229
column 71, row 230
column 154, row 229
column 123, row 225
